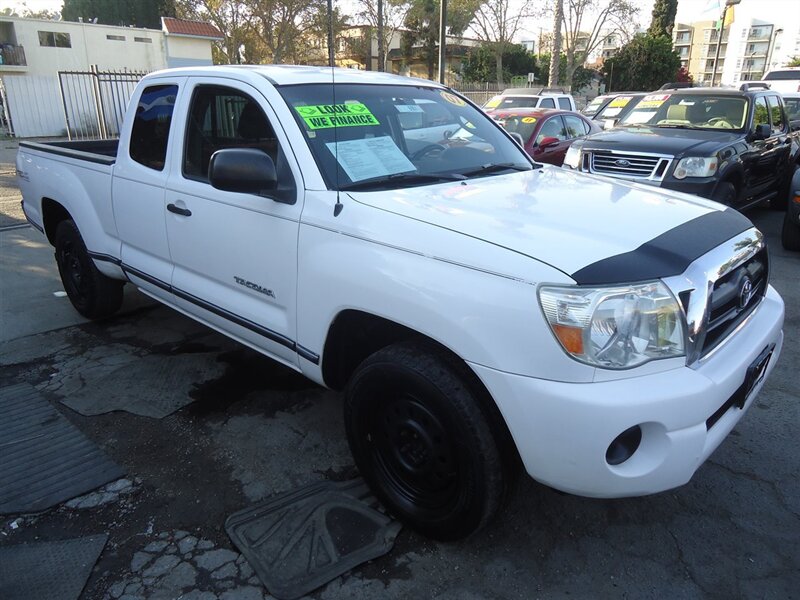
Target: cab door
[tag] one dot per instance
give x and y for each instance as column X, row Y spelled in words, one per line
column 761, row 159
column 137, row 192
column 235, row 254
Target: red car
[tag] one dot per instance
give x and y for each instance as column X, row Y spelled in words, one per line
column 546, row 132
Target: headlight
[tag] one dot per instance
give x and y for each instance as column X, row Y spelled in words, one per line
column 573, row 157
column 695, row 166
column 615, row 327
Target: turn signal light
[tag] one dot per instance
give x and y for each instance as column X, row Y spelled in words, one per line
column 570, row 337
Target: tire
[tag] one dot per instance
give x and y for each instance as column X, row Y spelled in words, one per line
column 424, row 440
column 781, row 201
column 92, row 294
column 790, row 234
column 725, row 193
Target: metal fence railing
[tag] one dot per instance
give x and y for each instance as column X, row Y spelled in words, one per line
column 95, row 101
column 479, row 93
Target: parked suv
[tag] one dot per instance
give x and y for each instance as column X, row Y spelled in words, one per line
column 728, row 145
column 784, row 80
column 615, row 108
column 530, row 98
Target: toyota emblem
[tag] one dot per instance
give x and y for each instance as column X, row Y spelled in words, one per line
column 745, row 292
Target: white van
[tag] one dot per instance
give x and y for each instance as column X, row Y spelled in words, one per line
column 530, row 98
column 784, row 80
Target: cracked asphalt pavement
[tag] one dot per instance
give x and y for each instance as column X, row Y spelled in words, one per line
column 240, row 428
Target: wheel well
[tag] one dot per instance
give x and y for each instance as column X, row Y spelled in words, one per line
column 355, row 335
column 52, row 214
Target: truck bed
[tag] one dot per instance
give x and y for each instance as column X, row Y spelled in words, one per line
column 98, row 151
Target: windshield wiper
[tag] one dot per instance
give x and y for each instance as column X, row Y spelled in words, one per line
column 410, row 178
column 673, row 126
column 495, row 167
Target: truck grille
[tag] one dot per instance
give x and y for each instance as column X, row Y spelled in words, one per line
column 720, row 290
column 734, row 296
column 629, row 165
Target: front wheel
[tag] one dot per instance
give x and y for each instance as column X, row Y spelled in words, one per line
column 92, row 294
column 790, row 234
column 424, row 440
column 725, row 193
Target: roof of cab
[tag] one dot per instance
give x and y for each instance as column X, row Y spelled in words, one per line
column 296, row 74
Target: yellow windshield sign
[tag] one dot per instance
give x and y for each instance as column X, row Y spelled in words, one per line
column 325, row 116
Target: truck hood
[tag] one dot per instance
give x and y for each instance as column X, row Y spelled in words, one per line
column 566, row 219
column 661, row 140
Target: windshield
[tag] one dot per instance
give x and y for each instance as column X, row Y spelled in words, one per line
column 619, row 106
column 397, row 135
column 521, row 124
column 690, row 111
column 501, row 102
column 593, row 106
column 792, row 108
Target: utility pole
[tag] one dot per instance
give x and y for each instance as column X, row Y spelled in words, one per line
column 442, row 38
column 381, row 58
column 331, row 56
column 728, row 4
column 555, row 57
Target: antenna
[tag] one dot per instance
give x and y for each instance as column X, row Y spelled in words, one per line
column 332, row 62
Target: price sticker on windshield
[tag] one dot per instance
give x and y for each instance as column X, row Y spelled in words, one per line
column 620, row 101
column 452, row 99
column 325, row 116
column 653, row 100
column 528, row 119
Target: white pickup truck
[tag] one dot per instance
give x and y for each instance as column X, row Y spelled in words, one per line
column 381, row 235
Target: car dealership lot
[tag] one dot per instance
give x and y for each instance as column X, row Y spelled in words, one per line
column 256, row 429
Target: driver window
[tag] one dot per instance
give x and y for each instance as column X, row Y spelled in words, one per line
column 221, row 118
column 761, row 116
column 547, row 103
column 552, row 128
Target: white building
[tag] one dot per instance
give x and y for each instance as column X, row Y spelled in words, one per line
column 34, row 51
column 760, row 35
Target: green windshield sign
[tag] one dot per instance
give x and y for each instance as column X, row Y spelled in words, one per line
column 325, row 116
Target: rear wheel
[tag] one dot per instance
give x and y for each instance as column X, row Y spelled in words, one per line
column 92, row 294
column 424, row 440
column 790, row 234
column 725, row 193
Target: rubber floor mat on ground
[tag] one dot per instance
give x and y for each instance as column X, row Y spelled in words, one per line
column 48, row 570
column 301, row 540
column 45, row 459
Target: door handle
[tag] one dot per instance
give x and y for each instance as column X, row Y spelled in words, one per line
column 184, row 212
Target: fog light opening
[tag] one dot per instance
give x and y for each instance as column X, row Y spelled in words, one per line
column 623, row 447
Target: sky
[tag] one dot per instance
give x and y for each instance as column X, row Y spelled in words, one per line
column 688, row 10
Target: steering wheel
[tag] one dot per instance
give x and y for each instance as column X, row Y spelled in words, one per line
column 720, row 122
column 429, row 149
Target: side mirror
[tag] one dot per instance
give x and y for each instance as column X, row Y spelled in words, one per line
column 244, row 170
column 762, row 132
column 517, row 137
column 546, row 142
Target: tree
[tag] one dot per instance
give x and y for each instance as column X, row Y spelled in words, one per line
column 580, row 40
column 480, row 63
column 234, row 20
column 422, row 26
column 394, row 15
column 558, row 21
column 580, row 78
column 663, row 19
column 497, row 23
column 142, row 13
column 645, row 63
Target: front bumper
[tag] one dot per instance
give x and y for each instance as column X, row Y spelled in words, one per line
column 562, row 430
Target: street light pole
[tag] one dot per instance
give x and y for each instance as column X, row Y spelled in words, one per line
column 442, row 38
column 728, row 3
column 770, row 51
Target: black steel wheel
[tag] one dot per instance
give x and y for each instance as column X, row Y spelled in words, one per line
column 92, row 294
column 424, row 441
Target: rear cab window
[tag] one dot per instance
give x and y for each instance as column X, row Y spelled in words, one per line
column 564, row 104
column 547, row 103
column 151, row 125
